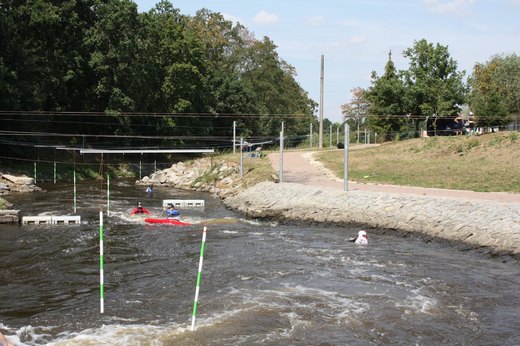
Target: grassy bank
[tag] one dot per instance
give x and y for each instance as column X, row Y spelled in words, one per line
column 489, row 162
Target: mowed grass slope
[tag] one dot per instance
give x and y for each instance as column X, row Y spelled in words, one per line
column 489, row 162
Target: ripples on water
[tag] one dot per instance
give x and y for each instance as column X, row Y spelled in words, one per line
column 262, row 283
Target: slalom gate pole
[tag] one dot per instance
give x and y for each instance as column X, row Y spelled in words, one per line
column 108, row 194
column 35, row 172
column 198, row 279
column 101, row 270
column 74, row 191
column 54, row 172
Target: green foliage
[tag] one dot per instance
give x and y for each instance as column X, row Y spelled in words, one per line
column 431, row 85
column 104, row 56
column 495, row 90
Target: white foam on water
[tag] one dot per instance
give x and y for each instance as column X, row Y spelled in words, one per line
column 416, row 302
column 251, row 222
column 117, row 334
column 35, row 335
column 229, row 232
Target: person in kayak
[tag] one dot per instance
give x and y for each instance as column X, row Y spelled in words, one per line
column 139, row 209
column 172, row 212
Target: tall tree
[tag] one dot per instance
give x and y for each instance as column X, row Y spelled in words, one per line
column 432, row 82
column 495, row 90
column 113, row 51
column 356, row 111
column 279, row 97
column 386, row 99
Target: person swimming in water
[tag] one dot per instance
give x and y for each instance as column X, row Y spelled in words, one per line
column 362, row 238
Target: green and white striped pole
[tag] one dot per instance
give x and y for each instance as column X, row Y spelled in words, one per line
column 101, row 270
column 54, row 172
column 198, row 279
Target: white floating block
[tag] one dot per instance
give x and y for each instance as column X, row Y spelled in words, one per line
column 37, row 220
column 66, row 220
column 51, row 220
column 184, row 203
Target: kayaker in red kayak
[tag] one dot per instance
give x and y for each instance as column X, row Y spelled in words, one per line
column 140, row 210
column 172, row 212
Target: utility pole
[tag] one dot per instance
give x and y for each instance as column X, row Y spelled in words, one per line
column 320, row 145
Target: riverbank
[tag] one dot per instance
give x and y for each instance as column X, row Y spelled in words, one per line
column 477, row 223
column 472, row 222
column 10, row 183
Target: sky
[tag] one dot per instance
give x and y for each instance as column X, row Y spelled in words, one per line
column 355, row 36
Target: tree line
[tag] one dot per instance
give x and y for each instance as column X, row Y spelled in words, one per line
column 400, row 102
column 104, row 56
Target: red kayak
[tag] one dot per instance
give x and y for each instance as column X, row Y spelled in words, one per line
column 167, row 221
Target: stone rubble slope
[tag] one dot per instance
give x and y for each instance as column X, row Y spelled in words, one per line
column 476, row 223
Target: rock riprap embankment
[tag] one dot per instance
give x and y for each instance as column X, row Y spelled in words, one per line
column 476, row 223
column 219, row 177
column 10, row 183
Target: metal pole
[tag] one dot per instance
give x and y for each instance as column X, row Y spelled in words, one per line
column 241, row 157
column 337, row 135
column 283, row 132
column 330, row 135
column 345, row 156
column 234, row 135
column 281, row 157
column 320, row 145
column 310, row 137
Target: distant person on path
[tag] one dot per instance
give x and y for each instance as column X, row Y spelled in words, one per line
column 362, row 238
column 471, row 123
column 172, row 212
column 461, row 126
column 140, row 210
column 149, row 189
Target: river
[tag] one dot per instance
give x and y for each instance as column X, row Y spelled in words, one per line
column 262, row 283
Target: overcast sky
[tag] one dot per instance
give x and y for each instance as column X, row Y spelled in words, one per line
column 355, row 36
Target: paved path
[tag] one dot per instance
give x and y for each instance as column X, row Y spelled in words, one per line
column 299, row 167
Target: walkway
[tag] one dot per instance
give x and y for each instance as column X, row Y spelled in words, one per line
column 300, row 167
